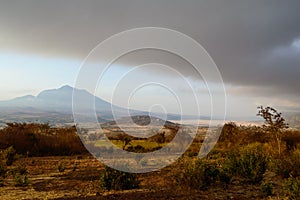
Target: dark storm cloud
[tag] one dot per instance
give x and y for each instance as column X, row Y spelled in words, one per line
column 243, row 37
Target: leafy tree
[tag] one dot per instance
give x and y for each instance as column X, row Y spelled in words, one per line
column 126, row 141
column 160, row 138
column 274, row 122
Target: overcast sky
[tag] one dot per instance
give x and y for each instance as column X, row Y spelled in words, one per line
column 255, row 44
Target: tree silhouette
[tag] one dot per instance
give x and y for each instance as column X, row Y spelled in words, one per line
column 274, row 122
column 126, row 141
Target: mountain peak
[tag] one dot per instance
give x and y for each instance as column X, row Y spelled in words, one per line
column 26, row 97
column 66, row 87
column 60, row 100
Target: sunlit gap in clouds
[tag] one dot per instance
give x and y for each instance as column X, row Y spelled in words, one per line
column 141, row 88
column 296, row 43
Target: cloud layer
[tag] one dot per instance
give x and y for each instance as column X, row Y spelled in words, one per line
column 255, row 44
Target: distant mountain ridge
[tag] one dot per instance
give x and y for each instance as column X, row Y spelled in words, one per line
column 55, row 106
column 55, row 100
column 52, row 105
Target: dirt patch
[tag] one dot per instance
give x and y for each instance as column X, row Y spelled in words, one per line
column 80, row 180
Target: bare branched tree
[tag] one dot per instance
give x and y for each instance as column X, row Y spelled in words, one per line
column 274, row 122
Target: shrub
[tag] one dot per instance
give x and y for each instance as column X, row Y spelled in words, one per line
column 287, row 166
column 41, row 140
column 225, row 176
column 233, row 136
column 197, row 174
column 3, row 169
column 291, row 139
column 60, row 167
column 21, row 169
column 113, row 179
column 291, row 188
column 229, row 132
column 249, row 162
column 267, row 189
column 281, row 167
column 9, row 155
column 21, row 180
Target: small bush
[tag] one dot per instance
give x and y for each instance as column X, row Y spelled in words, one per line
column 291, row 139
column 3, row 169
column 291, row 188
column 197, row 174
column 9, row 155
column 267, row 189
column 288, row 165
column 21, row 169
column 249, row 162
column 21, row 180
column 60, row 167
column 79, row 157
column 229, row 133
column 225, row 176
column 113, row 179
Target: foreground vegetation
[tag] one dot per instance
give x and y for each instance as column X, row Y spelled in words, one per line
column 248, row 162
column 41, row 140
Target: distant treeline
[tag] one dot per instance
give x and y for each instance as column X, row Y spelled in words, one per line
column 34, row 139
